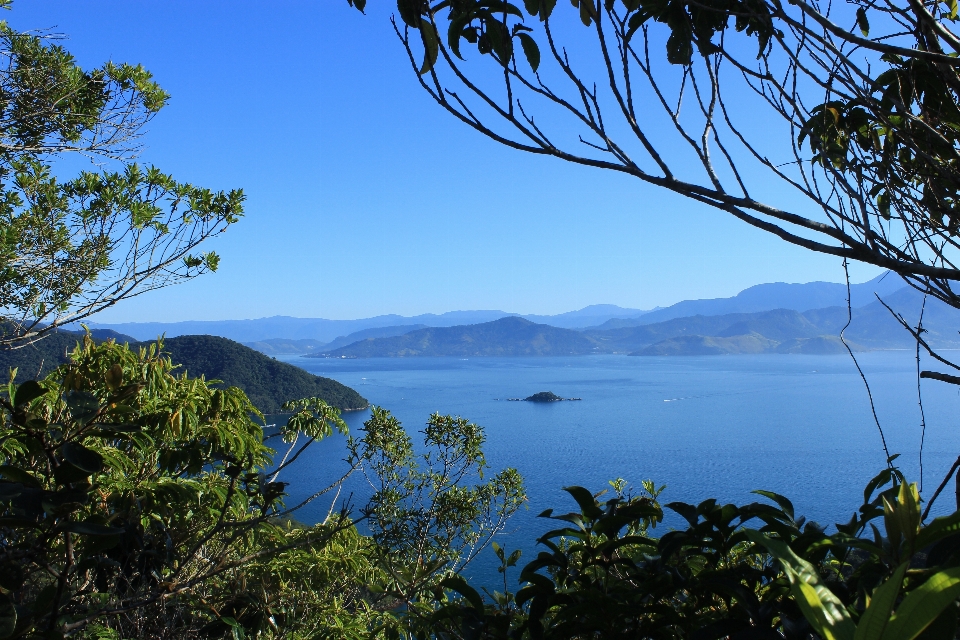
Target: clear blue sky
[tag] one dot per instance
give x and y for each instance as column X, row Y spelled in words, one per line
column 365, row 198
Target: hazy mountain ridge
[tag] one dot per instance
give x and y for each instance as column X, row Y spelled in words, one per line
column 284, row 346
column 378, row 332
column 773, row 317
column 326, row 331
column 511, row 336
column 763, row 297
column 815, row 331
column 766, row 297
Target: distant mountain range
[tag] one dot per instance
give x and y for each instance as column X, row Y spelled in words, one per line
column 287, row 335
column 326, row 331
column 766, row 297
column 511, row 336
column 768, row 318
column 814, row 331
column 774, row 317
column 285, row 346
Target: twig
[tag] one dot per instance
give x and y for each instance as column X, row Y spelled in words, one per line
column 866, row 384
column 923, row 419
column 943, row 484
column 942, row 377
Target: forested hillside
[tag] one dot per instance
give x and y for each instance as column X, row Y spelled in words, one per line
column 267, row 382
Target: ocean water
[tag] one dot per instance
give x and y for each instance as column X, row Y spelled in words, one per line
column 706, row 427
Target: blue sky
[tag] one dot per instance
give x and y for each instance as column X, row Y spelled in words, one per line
column 364, row 198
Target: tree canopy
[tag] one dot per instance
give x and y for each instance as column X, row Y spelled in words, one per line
column 852, row 107
column 70, row 248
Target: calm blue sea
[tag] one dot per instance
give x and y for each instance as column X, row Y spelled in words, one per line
column 717, row 426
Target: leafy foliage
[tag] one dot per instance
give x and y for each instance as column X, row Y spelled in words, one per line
column 430, row 514
column 139, row 503
column 603, row 575
column 867, row 96
column 126, row 488
column 71, row 248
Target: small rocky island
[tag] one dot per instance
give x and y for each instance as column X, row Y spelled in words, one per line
column 543, row 396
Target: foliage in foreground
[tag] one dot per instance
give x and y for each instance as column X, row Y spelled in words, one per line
column 133, row 494
column 70, row 248
column 603, row 576
column 140, row 504
column 135, row 503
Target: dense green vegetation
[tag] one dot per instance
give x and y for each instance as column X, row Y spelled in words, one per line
column 268, row 383
column 138, row 500
column 137, row 503
column 71, row 246
column 750, row 572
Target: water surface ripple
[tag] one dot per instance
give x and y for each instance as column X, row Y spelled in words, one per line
column 716, row 426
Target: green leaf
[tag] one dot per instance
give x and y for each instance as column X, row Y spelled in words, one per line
column 688, row 511
column 458, row 584
column 883, row 203
column 82, row 458
column 83, row 405
column 921, row 607
column 409, row 11
column 785, row 505
column 863, row 23
column 8, row 617
column 952, row 5
column 93, row 529
column 531, row 51
column 114, row 377
column 431, row 45
column 876, row 482
column 455, row 31
column 875, row 619
column 500, row 40
column 546, row 9
column 588, row 506
column 587, row 12
column 16, row 474
column 532, row 6
column 822, row 609
column 28, row 391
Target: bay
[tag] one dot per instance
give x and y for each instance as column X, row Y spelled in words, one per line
column 706, row 427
